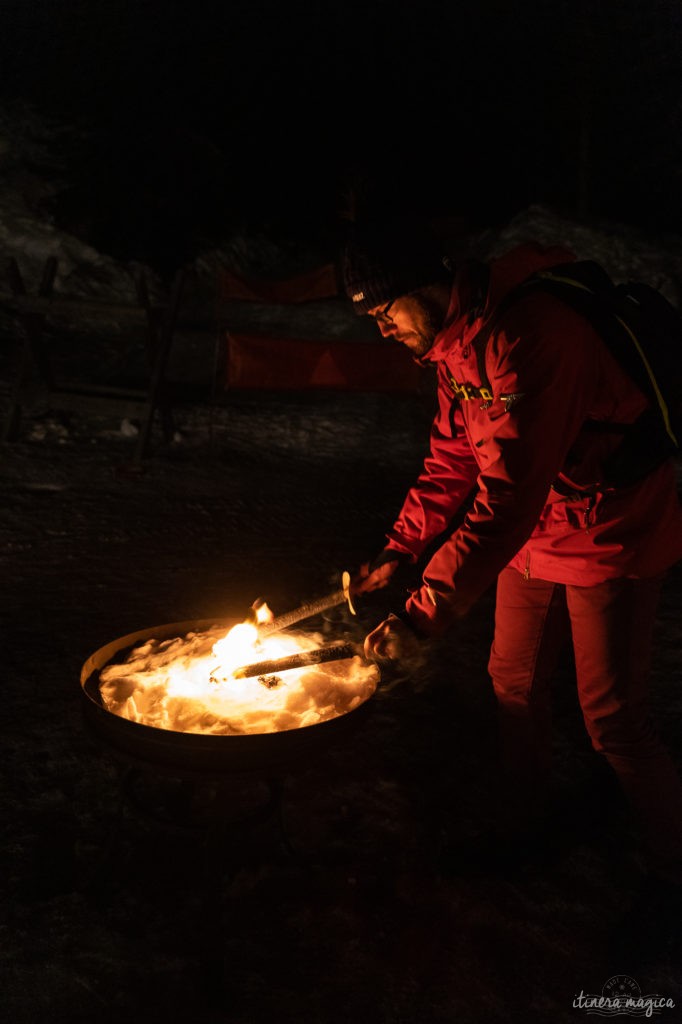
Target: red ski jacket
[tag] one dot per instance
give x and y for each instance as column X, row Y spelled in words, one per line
column 506, row 461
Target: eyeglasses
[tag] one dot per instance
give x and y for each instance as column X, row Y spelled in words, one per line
column 382, row 316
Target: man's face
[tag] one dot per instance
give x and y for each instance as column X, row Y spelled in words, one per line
column 414, row 320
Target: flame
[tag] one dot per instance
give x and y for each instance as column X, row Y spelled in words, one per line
column 261, row 612
column 186, row 683
column 235, row 648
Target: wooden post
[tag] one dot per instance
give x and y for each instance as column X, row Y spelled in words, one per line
column 33, row 354
column 163, row 346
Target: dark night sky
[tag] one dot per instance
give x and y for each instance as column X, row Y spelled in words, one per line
column 470, row 109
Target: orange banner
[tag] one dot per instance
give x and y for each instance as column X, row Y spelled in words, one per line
column 260, row 362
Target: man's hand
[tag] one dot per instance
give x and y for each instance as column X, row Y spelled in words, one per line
column 392, row 640
column 377, row 574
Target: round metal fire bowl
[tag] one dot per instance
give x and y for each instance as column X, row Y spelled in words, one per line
column 190, row 754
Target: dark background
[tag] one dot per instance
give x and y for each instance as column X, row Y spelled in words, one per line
column 205, row 116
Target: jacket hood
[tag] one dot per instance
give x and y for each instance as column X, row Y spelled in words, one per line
column 505, row 273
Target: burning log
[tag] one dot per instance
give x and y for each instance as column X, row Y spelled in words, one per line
column 317, row 656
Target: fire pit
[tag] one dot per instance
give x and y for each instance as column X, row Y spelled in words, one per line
column 167, row 730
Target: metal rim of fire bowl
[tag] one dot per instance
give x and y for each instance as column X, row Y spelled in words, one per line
column 190, row 753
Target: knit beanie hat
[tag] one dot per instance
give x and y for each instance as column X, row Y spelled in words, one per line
column 382, row 262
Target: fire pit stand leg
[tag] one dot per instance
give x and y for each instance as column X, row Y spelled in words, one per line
column 227, row 844
column 197, row 804
column 276, row 784
column 224, row 855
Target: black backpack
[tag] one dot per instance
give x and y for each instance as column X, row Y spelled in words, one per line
column 643, row 331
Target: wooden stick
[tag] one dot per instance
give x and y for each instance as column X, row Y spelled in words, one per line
column 334, row 652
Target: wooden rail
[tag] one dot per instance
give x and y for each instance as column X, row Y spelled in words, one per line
column 31, row 313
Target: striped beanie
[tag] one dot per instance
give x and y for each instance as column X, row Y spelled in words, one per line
column 383, row 261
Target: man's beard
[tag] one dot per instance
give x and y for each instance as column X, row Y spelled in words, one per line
column 427, row 316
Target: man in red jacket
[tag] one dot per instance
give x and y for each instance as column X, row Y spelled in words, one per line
column 521, row 442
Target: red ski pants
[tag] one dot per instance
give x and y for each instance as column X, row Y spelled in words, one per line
column 611, row 627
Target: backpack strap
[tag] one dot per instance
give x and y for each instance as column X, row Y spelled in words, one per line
column 480, row 342
column 479, row 281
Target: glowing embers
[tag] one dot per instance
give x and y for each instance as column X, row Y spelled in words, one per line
column 185, row 684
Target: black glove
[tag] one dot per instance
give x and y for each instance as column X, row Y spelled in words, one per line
column 377, row 574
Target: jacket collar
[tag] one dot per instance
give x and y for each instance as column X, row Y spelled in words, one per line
column 478, row 287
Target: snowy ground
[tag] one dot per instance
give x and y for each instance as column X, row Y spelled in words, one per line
column 111, row 915
column 106, row 917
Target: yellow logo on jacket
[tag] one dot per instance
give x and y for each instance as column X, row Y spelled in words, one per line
column 468, row 392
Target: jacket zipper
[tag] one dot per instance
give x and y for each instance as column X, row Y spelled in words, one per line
column 526, row 571
column 587, row 514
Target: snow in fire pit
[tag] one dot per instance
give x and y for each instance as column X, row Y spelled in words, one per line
column 185, row 684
